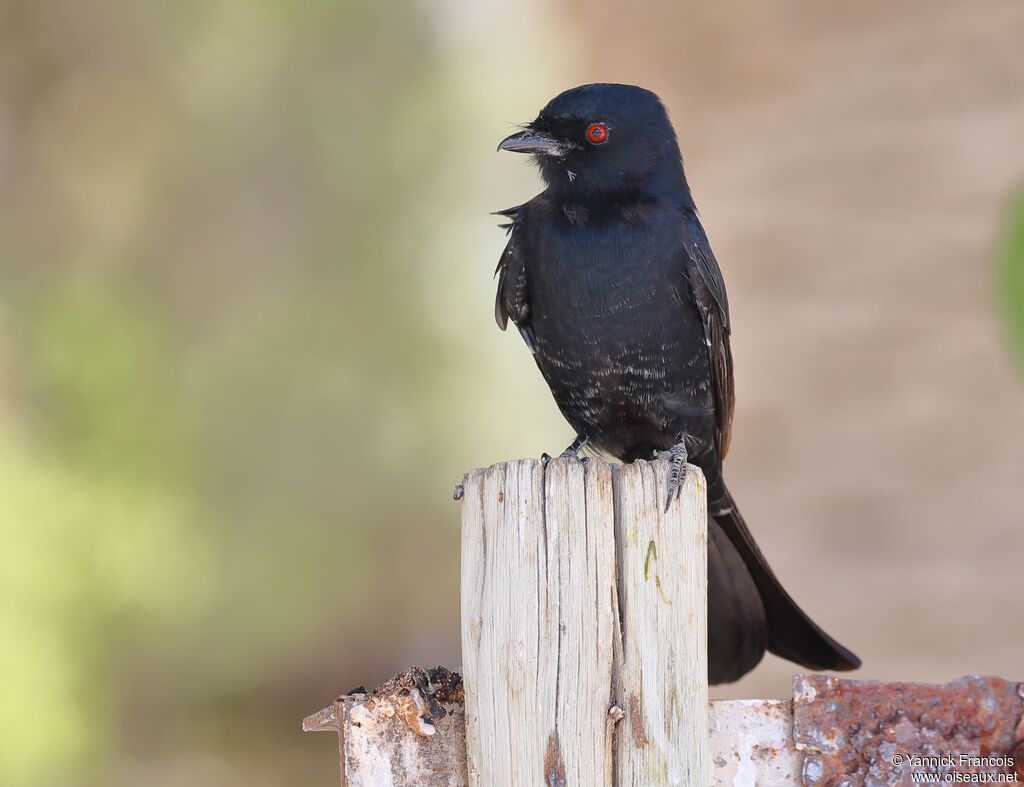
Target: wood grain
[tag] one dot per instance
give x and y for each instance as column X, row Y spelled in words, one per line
column 662, row 592
column 551, row 556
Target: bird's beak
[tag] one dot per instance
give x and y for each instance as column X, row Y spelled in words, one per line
column 537, row 142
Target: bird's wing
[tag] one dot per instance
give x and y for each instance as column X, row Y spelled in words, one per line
column 708, row 288
column 512, row 300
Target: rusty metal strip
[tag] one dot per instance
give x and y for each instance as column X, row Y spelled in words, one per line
column 871, row 733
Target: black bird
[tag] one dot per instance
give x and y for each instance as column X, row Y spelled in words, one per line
column 612, row 283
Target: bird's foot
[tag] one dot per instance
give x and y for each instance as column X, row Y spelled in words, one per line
column 677, row 455
column 573, row 451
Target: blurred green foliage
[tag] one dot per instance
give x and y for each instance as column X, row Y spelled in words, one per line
column 236, row 375
column 1011, row 285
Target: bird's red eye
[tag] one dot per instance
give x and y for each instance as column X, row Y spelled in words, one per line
column 597, row 133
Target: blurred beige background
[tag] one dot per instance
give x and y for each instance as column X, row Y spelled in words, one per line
column 246, row 345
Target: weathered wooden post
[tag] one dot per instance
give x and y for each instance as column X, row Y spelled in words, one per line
column 584, row 625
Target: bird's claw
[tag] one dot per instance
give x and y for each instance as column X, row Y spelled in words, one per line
column 575, row 447
column 546, row 458
column 572, row 452
column 677, row 456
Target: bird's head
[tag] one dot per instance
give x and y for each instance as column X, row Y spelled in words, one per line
column 603, row 139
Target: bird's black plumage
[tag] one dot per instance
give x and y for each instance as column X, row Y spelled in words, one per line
column 610, row 279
